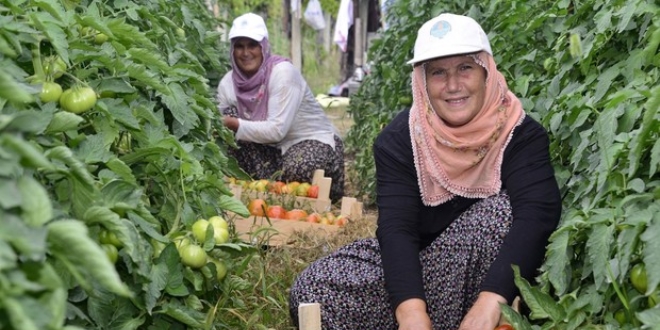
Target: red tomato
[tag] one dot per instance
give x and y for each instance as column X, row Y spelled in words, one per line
column 276, row 212
column 505, row 327
column 314, row 218
column 257, row 207
column 276, row 187
column 296, row 214
column 313, row 191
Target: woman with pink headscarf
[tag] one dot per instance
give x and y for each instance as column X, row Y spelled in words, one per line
column 279, row 126
column 465, row 190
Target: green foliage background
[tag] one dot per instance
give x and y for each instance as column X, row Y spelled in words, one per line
column 588, row 71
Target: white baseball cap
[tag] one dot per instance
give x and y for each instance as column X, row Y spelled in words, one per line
column 249, row 25
column 449, row 34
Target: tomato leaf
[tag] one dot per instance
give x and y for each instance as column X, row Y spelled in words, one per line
column 178, row 106
column 69, row 240
column 27, row 241
column 119, row 193
column 598, row 246
column 10, row 196
column 37, row 209
column 121, row 169
column 63, row 121
column 233, row 204
column 513, row 317
column 650, row 318
column 541, row 304
column 158, row 282
column 30, row 121
column 94, row 149
column 53, row 7
column 120, row 112
column 19, row 314
column 50, row 26
column 652, row 244
column 8, row 258
column 12, row 90
column 184, row 314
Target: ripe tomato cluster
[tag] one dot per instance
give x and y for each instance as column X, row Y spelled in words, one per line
column 295, row 188
column 259, row 207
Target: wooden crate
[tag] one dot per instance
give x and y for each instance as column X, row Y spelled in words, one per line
column 320, row 204
column 278, row 232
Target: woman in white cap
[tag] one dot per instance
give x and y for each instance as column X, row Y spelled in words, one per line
column 280, row 127
column 465, row 190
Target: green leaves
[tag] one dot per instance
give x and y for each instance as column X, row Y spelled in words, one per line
column 69, row 243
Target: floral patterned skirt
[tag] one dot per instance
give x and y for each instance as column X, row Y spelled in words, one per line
column 349, row 283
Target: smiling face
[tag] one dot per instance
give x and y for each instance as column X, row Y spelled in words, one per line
column 457, row 88
column 247, row 55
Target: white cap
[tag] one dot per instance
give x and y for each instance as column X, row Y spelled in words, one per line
column 249, row 25
column 449, row 34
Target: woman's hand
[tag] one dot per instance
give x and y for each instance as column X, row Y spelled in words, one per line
column 485, row 313
column 411, row 315
column 230, row 122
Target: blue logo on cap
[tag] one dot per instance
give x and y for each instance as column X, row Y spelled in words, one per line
column 440, row 29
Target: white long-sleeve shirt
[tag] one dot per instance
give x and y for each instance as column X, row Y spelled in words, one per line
column 294, row 114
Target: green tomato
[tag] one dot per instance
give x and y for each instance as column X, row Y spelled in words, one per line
column 220, row 235
column 199, row 230
column 193, row 256
column 108, row 237
column 620, row 316
column 181, row 242
column 638, row 278
column 158, row 247
column 220, row 269
column 100, row 38
column 218, row 222
column 50, row 92
column 78, row 99
column 54, row 66
column 111, row 252
column 181, row 32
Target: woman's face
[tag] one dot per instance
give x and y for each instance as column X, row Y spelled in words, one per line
column 248, row 56
column 457, row 88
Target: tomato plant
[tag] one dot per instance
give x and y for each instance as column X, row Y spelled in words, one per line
column 50, row 92
column 78, row 99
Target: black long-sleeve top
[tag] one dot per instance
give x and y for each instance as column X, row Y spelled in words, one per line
column 406, row 225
